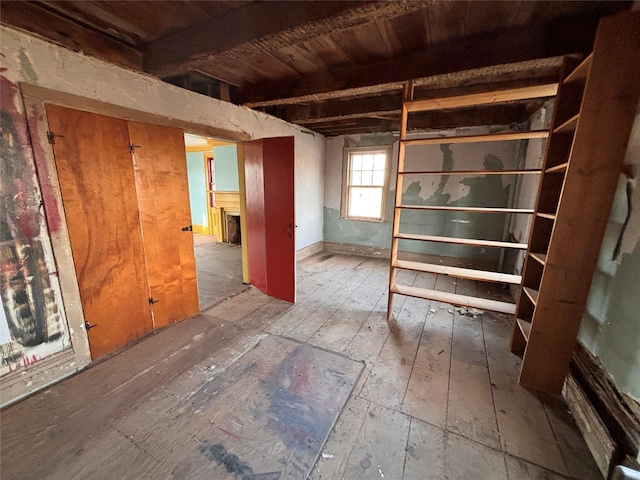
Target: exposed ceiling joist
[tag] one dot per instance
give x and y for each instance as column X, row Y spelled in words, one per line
column 261, row 27
column 556, row 39
column 64, row 31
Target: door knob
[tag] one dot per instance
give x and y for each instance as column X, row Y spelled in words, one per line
column 188, row 228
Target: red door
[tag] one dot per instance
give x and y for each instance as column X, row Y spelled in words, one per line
column 270, row 216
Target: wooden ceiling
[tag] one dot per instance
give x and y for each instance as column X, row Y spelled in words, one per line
column 335, row 67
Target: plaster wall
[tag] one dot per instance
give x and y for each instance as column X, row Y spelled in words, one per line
column 610, row 326
column 225, row 160
column 448, row 190
column 197, row 188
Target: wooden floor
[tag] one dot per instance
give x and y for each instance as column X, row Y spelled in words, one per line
column 218, row 269
column 437, row 398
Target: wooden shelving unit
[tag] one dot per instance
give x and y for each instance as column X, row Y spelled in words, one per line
column 410, row 106
column 594, row 112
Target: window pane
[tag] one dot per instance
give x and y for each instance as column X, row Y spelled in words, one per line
column 378, row 178
column 356, row 178
column 367, row 161
column 380, row 161
column 367, row 177
column 356, row 162
column 365, row 202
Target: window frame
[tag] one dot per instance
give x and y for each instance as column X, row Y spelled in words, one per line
column 346, row 170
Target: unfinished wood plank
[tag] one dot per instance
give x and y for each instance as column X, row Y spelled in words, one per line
column 317, row 289
column 568, row 126
column 455, row 299
column 581, row 71
column 342, row 287
column 387, row 383
column 522, row 93
column 380, row 446
column 264, row 315
column 493, row 137
column 531, row 293
column 425, row 451
column 525, row 430
column 427, row 391
column 448, row 208
column 342, row 326
column 461, row 241
column 518, row 468
column 481, row 462
column 600, row 443
column 573, row 447
column 341, row 441
column 472, row 172
column 525, row 327
column 470, row 385
column 459, row 272
column 120, row 458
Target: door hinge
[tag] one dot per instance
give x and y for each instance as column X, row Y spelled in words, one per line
column 132, row 147
column 152, row 301
column 51, row 137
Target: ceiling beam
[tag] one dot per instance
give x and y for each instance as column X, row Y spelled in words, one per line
column 63, row 31
column 568, row 36
column 389, row 105
column 485, row 115
column 260, row 27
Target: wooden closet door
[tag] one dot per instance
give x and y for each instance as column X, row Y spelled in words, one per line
column 98, row 189
column 163, row 199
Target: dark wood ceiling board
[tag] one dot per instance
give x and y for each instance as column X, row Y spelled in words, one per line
column 389, row 37
column 157, row 17
column 553, row 40
column 446, row 22
column 90, row 14
column 329, row 51
column 301, row 59
column 221, row 74
column 269, row 67
column 334, row 110
column 60, row 30
column 491, row 115
column 264, row 26
column 411, row 30
column 247, row 31
column 219, row 7
column 494, row 16
column 363, row 44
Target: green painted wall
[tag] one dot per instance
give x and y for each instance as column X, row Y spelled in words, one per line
column 448, row 190
column 226, row 168
column 197, row 188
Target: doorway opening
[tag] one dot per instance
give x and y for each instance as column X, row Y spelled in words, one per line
column 214, row 195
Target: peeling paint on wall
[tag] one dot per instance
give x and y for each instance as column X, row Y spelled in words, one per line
column 29, row 290
column 446, row 190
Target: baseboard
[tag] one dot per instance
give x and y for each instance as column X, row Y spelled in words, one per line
column 309, row 250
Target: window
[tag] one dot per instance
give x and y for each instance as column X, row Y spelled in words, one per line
column 364, row 183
